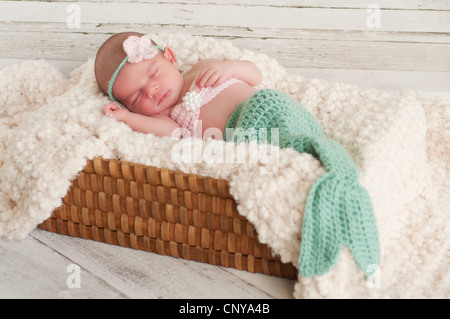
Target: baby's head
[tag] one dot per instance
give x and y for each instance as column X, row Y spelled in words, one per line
column 132, row 69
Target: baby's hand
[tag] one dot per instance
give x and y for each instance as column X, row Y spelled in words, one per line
column 215, row 73
column 112, row 110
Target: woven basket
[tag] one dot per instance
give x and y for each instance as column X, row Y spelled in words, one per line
column 165, row 212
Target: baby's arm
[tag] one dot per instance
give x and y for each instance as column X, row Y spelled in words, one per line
column 215, row 72
column 159, row 125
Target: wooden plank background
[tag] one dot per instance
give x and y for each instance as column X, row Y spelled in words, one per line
column 312, row 38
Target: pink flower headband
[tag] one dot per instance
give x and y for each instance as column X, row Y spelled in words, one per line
column 137, row 50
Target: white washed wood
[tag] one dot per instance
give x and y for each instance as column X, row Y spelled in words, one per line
column 386, row 4
column 31, row 269
column 37, row 268
column 247, row 15
column 307, row 50
column 315, row 37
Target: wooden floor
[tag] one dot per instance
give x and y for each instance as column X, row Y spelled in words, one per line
column 332, row 41
column 37, row 267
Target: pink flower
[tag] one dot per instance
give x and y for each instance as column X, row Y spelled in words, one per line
column 139, row 48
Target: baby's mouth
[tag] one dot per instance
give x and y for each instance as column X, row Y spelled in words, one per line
column 163, row 97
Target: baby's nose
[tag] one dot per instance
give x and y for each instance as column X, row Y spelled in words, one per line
column 152, row 88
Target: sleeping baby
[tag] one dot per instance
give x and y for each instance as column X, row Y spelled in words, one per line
column 144, row 77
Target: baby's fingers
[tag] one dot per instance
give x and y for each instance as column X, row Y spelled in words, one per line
column 109, row 108
column 204, row 77
column 213, row 79
column 114, row 111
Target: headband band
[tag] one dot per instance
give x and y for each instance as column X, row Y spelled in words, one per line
column 137, row 49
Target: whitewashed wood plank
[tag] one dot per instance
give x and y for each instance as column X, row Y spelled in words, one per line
column 140, row 274
column 30, row 269
column 402, row 56
column 427, row 84
column 227, row 32
column 282, row 288
column 387, row 4
column 226, row 15
column 331, row 52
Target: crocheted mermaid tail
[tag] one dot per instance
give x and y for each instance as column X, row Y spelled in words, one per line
column 338, row 209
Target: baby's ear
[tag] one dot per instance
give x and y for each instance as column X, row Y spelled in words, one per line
column 168, row 53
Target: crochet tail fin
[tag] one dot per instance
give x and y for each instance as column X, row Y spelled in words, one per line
column 338, row 211
column 321, row 231
column 363, row 240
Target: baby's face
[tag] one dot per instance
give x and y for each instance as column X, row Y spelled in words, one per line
column 149, row 87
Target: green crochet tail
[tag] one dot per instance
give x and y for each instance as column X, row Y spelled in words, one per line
column 338, row 209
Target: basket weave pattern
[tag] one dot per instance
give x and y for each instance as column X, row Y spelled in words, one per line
column 165, row 212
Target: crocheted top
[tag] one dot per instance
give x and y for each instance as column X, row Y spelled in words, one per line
column 186, row 114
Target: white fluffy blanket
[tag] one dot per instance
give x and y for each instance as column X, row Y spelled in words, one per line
column 50, row 125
